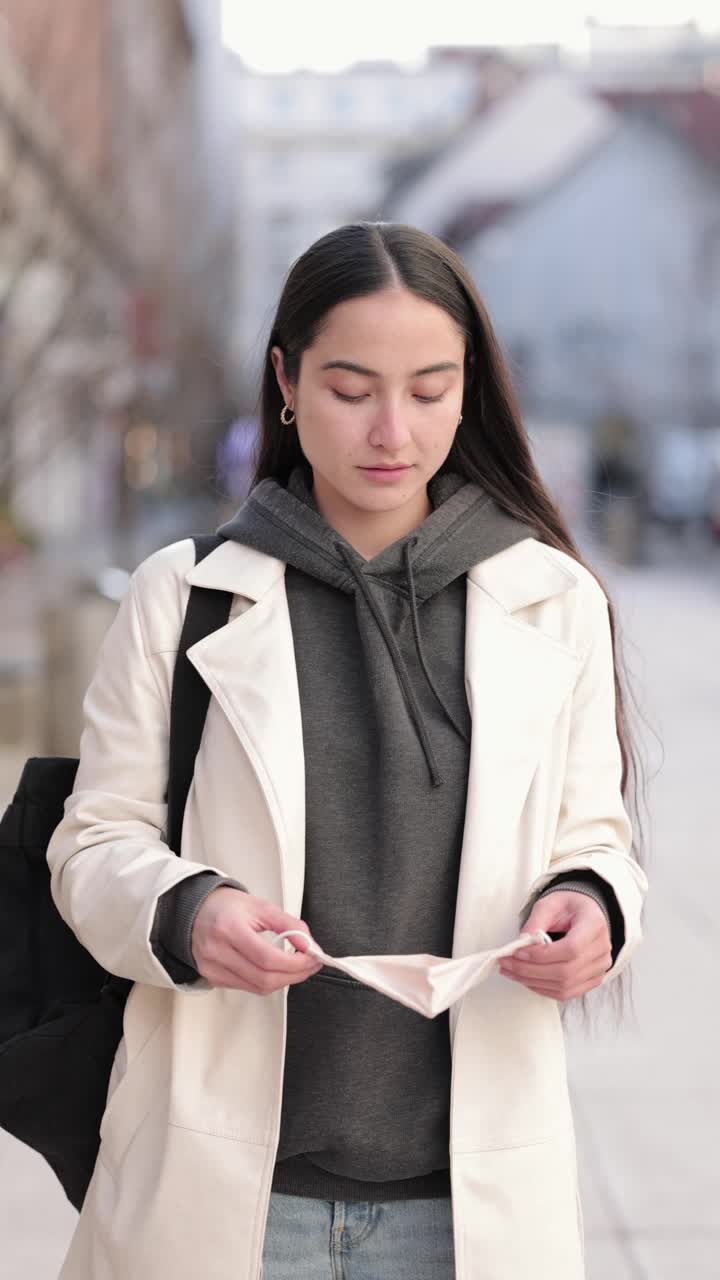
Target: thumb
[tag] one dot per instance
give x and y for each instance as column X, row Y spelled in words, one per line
column 549, row 914
column 279, row 921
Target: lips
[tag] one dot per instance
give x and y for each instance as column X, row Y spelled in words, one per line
column 385, row 474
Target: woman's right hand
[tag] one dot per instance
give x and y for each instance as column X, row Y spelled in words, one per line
column 229, row 952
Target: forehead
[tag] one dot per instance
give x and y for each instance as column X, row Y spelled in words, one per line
column 386, row 327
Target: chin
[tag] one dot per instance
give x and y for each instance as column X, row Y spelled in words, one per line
column 384, row 498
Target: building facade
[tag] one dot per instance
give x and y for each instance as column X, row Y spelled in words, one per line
column 605, row 289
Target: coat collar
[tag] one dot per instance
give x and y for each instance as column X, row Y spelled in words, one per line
column 522, row 575
column 242, row 570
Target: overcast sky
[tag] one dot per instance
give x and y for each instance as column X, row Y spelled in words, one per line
column 282, row 35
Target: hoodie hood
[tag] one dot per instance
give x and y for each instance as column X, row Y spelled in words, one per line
column 464, row 527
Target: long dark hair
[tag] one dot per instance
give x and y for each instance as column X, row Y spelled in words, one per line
column 491, row 447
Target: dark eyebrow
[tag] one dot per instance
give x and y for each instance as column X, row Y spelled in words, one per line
column 443, row 367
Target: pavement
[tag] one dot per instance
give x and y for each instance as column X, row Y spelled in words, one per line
column 646, row 1092
column 647, row 1096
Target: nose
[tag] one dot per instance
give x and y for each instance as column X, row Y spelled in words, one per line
column 389, row 429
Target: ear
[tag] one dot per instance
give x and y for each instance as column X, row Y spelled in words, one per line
column 278, row 360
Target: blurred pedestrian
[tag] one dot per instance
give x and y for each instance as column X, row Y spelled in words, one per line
column 416, row 745
column 619, row 487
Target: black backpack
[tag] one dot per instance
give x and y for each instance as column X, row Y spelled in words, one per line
column 61, row 1014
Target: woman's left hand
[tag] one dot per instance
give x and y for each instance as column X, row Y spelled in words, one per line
column 574, row 964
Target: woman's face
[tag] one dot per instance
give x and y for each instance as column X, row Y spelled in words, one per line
column 377, row 401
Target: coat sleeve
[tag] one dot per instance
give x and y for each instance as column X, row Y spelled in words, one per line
column 108, row 859
column 593, row 831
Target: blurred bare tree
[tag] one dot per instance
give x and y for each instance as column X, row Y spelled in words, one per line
column 115, row 235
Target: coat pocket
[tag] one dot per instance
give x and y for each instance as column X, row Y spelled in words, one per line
column 509, row 1078
column 516, row 1212
column 143, row 1082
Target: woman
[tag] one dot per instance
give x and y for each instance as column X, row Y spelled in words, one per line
column 415, row 745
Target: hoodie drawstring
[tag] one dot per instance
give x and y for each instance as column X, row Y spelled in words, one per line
column 397, row 658
column 418, row 644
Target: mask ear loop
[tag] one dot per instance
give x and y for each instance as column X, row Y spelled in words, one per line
column 310, row 950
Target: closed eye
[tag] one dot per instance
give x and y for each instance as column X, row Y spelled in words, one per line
column 357, row 399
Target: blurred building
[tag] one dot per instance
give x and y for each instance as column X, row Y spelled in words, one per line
column 503, row 158
column 591, row 224
column 674, row 56
column 116, row 231
column 605, row 283
column 316, row 150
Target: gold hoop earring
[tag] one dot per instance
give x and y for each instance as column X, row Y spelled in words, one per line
column 287, row 422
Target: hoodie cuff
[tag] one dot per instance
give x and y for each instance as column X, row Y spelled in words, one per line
column 171, row 933
column 593, row 886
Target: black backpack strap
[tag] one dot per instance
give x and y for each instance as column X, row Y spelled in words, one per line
column 207, row 610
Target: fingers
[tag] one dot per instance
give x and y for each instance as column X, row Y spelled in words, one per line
column 561, row 993
column 576, row 915
column 265, row 955
column 581, row 937
column 551, row 914
column 269, row 916
column 231, row 970
column 595, row 959
column 257, row 962
column 562, row 981
column 229, row 948
column 570, row 967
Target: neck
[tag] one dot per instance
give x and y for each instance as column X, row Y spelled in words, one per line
column 370, row 532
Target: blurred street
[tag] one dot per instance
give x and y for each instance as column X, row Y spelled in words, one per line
column 647, row 1100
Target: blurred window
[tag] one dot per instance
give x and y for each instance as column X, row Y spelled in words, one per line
column 344, row 101
column 281, row 100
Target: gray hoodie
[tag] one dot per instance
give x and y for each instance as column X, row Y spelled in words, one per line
column 379, row 649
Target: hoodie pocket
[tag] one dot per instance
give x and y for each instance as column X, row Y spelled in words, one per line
column 367, row 1082
column 332, row 975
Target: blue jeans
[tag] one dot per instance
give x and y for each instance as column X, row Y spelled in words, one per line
column 355, row 1240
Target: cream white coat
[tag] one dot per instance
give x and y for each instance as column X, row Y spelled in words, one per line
column 182, row 1182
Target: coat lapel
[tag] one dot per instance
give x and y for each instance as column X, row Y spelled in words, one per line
column 249, row 666
column 517, row 679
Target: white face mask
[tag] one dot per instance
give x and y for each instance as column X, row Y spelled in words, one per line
column 427, row 984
